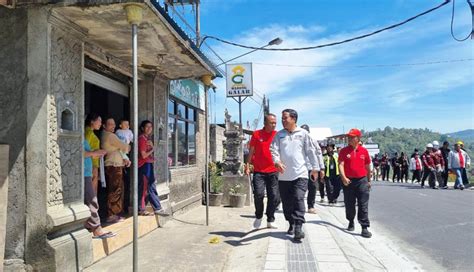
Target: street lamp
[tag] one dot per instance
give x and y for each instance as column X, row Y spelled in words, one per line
column 275, row 41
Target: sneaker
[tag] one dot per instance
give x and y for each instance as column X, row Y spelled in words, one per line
column 422, row 186
column 161, row 212
column 299, row 233
column 366, row 233
column 436, row 187
column 445, row 187
column 312, row 210
column 322, row 200
column 257, row 223
column 461, row 187
column 291, row 230
column 351, row 226
column 272, row 225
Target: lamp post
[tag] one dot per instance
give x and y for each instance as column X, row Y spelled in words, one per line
column 275, row 41
column 134, row 18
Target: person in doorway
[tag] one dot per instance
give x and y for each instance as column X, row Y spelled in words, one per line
column 146, row 177
column 429, row 167
column 396, row 167
column 114, row 164
column 92, row 223
column 458, row 159
column 385, row 164
column 445, row 153
column 333, row 181
column 93, row 123
column 125, row 135
column 311, row 198
column 291, row 148
column 404, row 165
column 439, row 163
column 265, row 174
column 416, row 168
column 354, row 166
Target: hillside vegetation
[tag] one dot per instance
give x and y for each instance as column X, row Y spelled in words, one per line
column 393, row 140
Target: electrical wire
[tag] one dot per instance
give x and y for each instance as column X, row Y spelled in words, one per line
column 471, row 5
column 333, row 43
column 364, row 66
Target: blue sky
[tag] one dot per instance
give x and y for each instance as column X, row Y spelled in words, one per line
column 438, row 96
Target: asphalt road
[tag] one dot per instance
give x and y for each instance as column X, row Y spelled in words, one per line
column 439, row 223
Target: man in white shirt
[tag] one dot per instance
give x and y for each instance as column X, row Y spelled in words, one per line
column 290, row 148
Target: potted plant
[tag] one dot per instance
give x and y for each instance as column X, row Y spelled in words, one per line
column 216, row 182
column 236, row 197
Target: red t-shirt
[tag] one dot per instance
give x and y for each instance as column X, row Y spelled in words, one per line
column 143, row 146
column 262, row 159
column 355, row 161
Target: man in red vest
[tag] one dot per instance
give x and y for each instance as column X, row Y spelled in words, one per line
column 354, row 167
column 265, row 174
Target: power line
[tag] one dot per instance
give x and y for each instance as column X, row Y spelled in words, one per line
column 471, row 6
column 365, row 65
column 333, row 43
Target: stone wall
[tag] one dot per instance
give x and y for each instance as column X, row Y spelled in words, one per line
column 160, row 120
column 216, row 140
column 13, row 129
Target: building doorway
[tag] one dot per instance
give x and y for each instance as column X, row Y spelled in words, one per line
column 110, row 99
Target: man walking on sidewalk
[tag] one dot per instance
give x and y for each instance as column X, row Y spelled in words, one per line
column 311, row 198
column 290, row 148
column 354, row 165
column 333, row 181
column 457, row 161
column 265, row 175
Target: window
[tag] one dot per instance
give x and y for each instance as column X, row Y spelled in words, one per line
column 181, row 134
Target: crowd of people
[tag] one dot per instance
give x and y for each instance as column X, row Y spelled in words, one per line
column 435, row 164
column 289, row 163
column 106, row 159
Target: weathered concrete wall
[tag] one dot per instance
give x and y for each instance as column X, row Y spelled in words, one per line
column 65, row 134
column 13, row 78
column 4, row 151
column 216, row 139
column 161, row 128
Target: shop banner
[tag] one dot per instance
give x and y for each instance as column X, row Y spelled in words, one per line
column 189, row 91
column 239, row 80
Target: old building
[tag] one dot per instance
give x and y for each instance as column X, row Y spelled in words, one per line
column 61, row 60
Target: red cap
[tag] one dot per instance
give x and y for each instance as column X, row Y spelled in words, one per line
column 354, row 133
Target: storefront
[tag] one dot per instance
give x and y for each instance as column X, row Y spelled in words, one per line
column 60, row 61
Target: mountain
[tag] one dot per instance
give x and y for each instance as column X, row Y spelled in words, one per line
column 465, row 135
column 399, row 140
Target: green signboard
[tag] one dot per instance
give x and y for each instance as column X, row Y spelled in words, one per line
column 189, row 91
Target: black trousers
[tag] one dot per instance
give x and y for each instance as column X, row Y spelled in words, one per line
column 431, row 174
column 445, row 177
column 333, row 187
column 465, row 180
column 322, row 187
column 416, row 175
column 404, row 174
column 292, row 196
column 385, row 172
column 268, row 182
column 396, row 173
column 311, row 192
column 358, row 190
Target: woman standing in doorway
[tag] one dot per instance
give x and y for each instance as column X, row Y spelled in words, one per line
column 146, row 176
column 114, row 164
column 93, row 122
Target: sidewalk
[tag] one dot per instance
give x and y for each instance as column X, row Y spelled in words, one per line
column 183, row 244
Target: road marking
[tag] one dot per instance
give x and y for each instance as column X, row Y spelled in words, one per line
column 422, row 194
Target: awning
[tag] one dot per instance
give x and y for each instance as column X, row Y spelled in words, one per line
column 163, row 46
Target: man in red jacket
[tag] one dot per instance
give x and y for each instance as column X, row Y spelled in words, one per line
column 265, row 174
column 429, row 167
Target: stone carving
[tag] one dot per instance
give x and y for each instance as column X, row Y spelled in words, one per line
column 65, row 150
column 233, row 147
